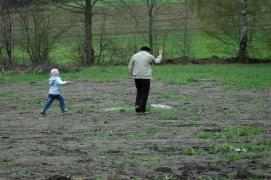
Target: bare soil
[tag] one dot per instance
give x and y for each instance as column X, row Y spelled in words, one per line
column 89, row 142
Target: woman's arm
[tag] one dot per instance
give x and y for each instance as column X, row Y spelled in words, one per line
column 159, row 58
column 131, row 66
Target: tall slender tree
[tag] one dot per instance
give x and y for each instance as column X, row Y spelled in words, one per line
column 151, row 4
column 186, row 41
column 242, row 54
column 86, row 8
column 6, row 28
column 39, row 35
column 136, row 19
column 231, row 21
column 89, row 51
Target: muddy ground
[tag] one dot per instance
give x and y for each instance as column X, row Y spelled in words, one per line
column 211, row 132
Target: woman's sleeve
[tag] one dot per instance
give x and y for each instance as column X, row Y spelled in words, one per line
column 131, row 66
column 158, row 59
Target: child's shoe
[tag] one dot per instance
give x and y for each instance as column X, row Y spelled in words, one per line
column 64, row 110
column 43, row 112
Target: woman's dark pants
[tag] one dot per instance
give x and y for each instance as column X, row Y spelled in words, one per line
column 143, row 88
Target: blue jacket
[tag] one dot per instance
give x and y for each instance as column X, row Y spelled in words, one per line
column 55, row 83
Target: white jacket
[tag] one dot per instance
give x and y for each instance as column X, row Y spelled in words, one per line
column 140, row 65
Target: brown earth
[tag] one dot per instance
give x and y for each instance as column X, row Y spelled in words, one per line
column 91, row 142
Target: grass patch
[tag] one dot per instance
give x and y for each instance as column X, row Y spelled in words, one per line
column 6, row 94
column 234, row 75
column 168, row 95
column 84, row 107
column 192, row 151
column 241, row 141
column 159, row 148
column 232, row 133
column 126, row 110
column 5, row 162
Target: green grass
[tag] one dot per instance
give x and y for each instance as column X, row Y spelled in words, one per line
column 232, row 133
column 193, row 151
column 237, row 144
column 126, row 110
column 201, row 47
column 231, row 146
column 234, row 75
column 4, row 162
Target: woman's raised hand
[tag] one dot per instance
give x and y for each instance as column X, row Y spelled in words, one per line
column 161, row 51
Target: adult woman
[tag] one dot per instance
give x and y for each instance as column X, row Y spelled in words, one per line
column 140, row 70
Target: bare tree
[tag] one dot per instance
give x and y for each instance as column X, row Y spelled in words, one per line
column 87, row 9
column 39, row 35
column 6, row 30
column 151, row 4
column 1, row 4
column 102, row 40
column 242, row 54
column 186, row 41
column 232, row 22
column 1, row 46
column 153, row 7
column 134, row 14
column 88, row 31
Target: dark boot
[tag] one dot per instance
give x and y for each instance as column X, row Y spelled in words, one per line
column 137, row 109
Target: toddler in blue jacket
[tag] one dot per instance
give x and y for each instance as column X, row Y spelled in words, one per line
column 55, row 83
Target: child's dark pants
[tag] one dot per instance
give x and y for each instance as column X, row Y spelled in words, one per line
column 51, row 98
column 143, row 88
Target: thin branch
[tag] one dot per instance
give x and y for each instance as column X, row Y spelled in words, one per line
column 79, row 3
column 2, row 70
column 74, row 9
column 94, row 2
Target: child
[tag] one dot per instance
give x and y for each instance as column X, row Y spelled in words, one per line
column 55, row 83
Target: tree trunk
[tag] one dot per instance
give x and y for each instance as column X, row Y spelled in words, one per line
column 8, row 38
column 242, row 54
column 89, row 51
column 151, row 32
column 150, row 5
column 102, row 42
column 6, row 33
column 185, row 33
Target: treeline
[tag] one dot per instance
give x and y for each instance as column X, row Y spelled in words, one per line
column 35, row 27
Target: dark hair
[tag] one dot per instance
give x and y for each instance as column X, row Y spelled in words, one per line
column 145, row 48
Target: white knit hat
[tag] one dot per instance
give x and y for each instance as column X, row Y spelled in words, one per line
column 54, row 72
